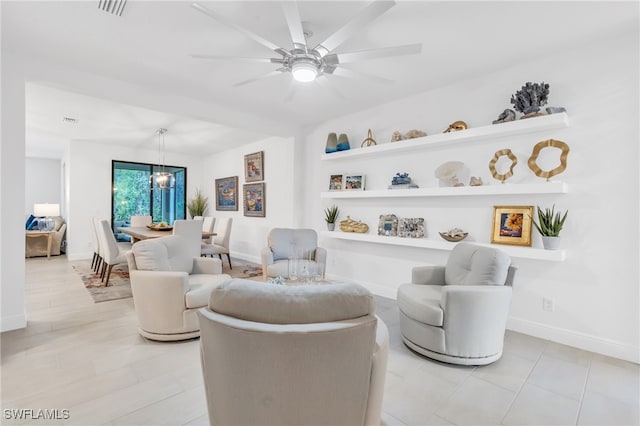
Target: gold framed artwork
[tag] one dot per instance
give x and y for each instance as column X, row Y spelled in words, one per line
column 254, row 199
column 227, row 193
column 254, row 167
column 512, row 225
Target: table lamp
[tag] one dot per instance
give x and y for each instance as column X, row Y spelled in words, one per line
column 46, row 210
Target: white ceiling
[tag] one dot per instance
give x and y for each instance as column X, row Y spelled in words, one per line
column 151, row 44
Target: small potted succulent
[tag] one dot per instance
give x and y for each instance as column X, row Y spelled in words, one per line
column 330, row 216
column 549, row 225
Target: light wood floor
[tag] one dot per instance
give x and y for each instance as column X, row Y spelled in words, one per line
column 88, row 359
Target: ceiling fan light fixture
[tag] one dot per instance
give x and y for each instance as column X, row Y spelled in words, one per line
column 304, row 70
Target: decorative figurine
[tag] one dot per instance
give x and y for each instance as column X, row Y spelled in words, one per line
column 396, row 136
column 549, row 143
column 530, row 98
column 555, row 110
column 475, row 181
column 369, row 141
column 507, row 115
column 343, row 142
column 415, row 133
column 492, row 164
column 454, row 235
column 456, row 126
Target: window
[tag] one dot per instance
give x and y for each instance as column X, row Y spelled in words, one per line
column 133, row 195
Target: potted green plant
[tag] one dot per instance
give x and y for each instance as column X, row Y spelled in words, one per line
column 330, row 216
column 198, row 205
column 549, row 225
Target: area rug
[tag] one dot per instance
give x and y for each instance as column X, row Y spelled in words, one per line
column 119, row 285
column 250, row 271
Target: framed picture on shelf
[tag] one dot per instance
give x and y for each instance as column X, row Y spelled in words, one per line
column 335, row 183
column 227, row 193
column 254, row 200
column 512, row 225
column 354, row 182
column 388, row 225
column 254, row 167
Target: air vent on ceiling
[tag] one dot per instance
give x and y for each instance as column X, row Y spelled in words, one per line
column 114, row 7
column 70, row 120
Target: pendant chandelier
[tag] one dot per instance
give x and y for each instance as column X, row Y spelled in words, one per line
column 161, row 179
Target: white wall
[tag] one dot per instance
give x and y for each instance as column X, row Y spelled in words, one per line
column 43, row 182
column 595, row 291
column 89, row 171
column 249, row 234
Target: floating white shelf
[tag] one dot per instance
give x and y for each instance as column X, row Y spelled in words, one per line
column 499, row 189
column 515, row 251
column 529, row 125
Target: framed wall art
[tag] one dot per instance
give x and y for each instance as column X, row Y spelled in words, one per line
column 512, row 225
column 354, row 182
column 335, row 183
column 227, row 193
column 254, row 167
column 254, row 200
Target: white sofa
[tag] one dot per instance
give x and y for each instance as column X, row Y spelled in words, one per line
column 292, row 355
column 286, row 243
column 458, row 313
column 169, row 285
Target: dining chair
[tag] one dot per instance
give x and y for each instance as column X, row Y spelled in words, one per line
column 192, row 231
column 97, row 259
column 220, row 243
column 208, row 222
column 140, row 221
column 112, row 253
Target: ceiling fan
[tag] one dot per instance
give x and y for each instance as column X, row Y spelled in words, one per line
column 307, row 63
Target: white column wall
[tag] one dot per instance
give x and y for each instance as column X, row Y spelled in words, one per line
column 249, row 234
column 595, row 291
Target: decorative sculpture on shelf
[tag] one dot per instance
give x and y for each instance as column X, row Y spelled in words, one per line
column 449, row 173
column 454, row 235
column 507, row 115
column 456, row 126
column 494, row 160
column 369, row 141
column 402, row 181
column 332, row 143
column 343, row 142
column 396, row 136
column 550, row 143
column 475, row 181
column 350, row 225
column 411, row 134
column 530, row 98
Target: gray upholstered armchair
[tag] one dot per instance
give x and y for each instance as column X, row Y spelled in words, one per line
column 292, row 355
column 458, row 313
column 285, row 243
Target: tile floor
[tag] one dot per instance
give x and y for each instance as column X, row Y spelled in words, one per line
column 88, row 358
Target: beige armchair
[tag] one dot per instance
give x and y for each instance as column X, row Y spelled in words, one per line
column 286, row 243
column 458, row 313
column 35, row 247
column 292, row 355
column 169, row 284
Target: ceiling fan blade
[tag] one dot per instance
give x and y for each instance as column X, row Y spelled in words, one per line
column 369, row 14
column 363, row 55
column 346, row 72
column 294, row 22
column 326, row 85
column 251, row 80
column 210, row 13
column 238, row 58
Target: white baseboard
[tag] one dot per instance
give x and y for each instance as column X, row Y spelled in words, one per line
column 576, row 339
column 13, row 322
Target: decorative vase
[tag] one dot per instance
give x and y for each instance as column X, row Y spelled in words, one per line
column 331, row 226
column 551, row 243
column 343, row 142
column 332, row 143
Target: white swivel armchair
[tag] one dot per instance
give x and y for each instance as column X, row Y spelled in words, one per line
column 458, row 313
column 292, row 355
column 286, row 243
column 169, row 284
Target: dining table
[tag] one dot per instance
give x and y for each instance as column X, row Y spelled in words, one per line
column 138, row 233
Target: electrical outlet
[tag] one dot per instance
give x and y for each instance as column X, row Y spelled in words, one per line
column 547, row 304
